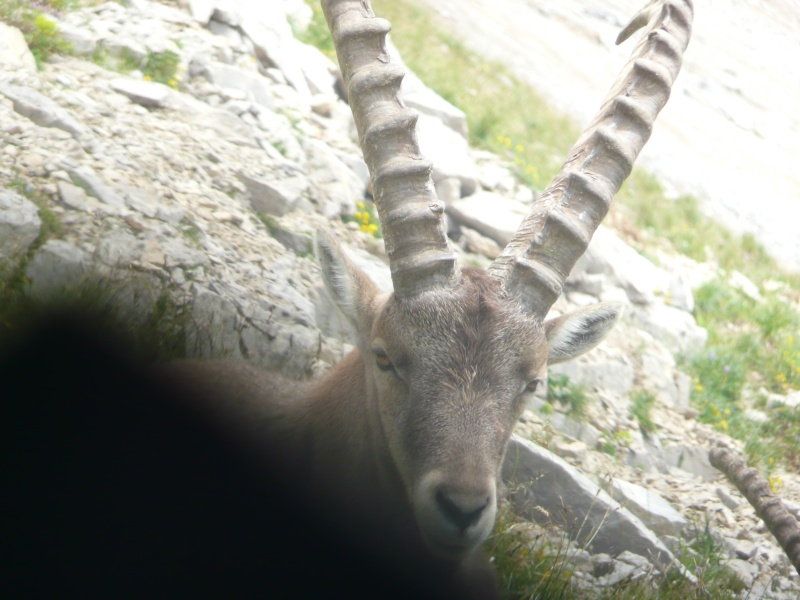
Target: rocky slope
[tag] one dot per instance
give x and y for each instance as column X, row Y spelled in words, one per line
column 209, row 189
column 730, row 132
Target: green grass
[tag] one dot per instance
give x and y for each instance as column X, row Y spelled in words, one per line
column 33, row 20
column 751, row 344
column 538, row 569
column 561, row 389
column 162, row 67
column 642, row 403
column 316, row 34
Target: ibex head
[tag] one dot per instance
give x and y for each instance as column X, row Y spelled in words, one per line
column 452, row 356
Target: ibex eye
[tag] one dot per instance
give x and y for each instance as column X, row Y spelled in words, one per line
column 531, row 386
column 383, row 362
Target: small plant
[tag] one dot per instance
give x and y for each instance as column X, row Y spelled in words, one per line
column 641, row 406
column 41, row 33
column 162, row 67
column 529, row 568
column 316, row 34
column 367, row 221
column 561, row 389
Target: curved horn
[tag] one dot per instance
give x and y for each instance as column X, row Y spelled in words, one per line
column 411, row 215
column 536, row 262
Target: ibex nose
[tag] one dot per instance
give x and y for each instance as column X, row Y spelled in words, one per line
column 462, row 509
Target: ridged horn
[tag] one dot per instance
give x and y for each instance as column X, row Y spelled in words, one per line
column 538, row 259
column 759, row 494
column 411, row 215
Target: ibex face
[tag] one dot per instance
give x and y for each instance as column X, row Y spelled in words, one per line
column 448, row 374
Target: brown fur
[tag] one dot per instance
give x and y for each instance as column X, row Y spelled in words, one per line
column 406, row 457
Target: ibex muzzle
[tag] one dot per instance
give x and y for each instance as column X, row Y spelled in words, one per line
column 416, row 420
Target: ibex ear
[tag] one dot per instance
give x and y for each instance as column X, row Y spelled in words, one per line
column 349, row 287
column 573, row 334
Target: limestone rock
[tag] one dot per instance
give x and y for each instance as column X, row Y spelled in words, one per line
column 489, row 214
column 554, row 491
column 448, row 150
column 274, row 196
column 643, row 281
column 674, row 328
column 650, row 507
column 601, row 369
column 41, row 109
column 56, row 266
column 692, row 459
column 19, row 227
column 147, row 93
column 14, row 52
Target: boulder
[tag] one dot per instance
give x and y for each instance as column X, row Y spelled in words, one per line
column 19, row 227
column 643, row 281
column 489, row 214
column 548, row 489
column 652, row 509
column 41, row 110
column 55, row 267
column 449, row 152
column 14, row 52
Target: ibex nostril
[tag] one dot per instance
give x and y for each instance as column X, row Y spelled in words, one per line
column 461, row 510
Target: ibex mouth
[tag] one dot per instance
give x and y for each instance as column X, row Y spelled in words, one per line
column 454, row 519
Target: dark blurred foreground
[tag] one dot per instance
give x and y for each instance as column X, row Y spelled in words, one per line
column 117, row 485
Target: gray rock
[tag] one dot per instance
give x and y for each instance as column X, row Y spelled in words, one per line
column 55, row 267
column 489, row 214
column 728, row 499
column 642, row 281
column 141, row 201
column 551, row 490
column 449, row 152
column 126, row 48
column 149, row 94
column 19, row 227
column 790, row 400
column 298, row 242
column 253, row 84
column 603, row 368
column 448, row 190
column 420, row 97
column 41, row 110
column 14, row 52
column 743, row 571
column 214, row 331
column 80, row 39
column 317, row 69
column 119, row 249
column 274, row 196
column 627, row 567
column 278, row 132
column 691, row 459
column 265, row 23
column 674, row 328
column 177, row 254
column 651, row 508
column 77, row 198
column 336, row 187
column 219, row 121
column 202, row 10
column 94, row 184
column 478, row 244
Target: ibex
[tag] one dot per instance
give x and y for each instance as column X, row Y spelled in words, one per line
column 414, row 423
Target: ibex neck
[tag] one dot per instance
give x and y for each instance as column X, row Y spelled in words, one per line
column 346, row 436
